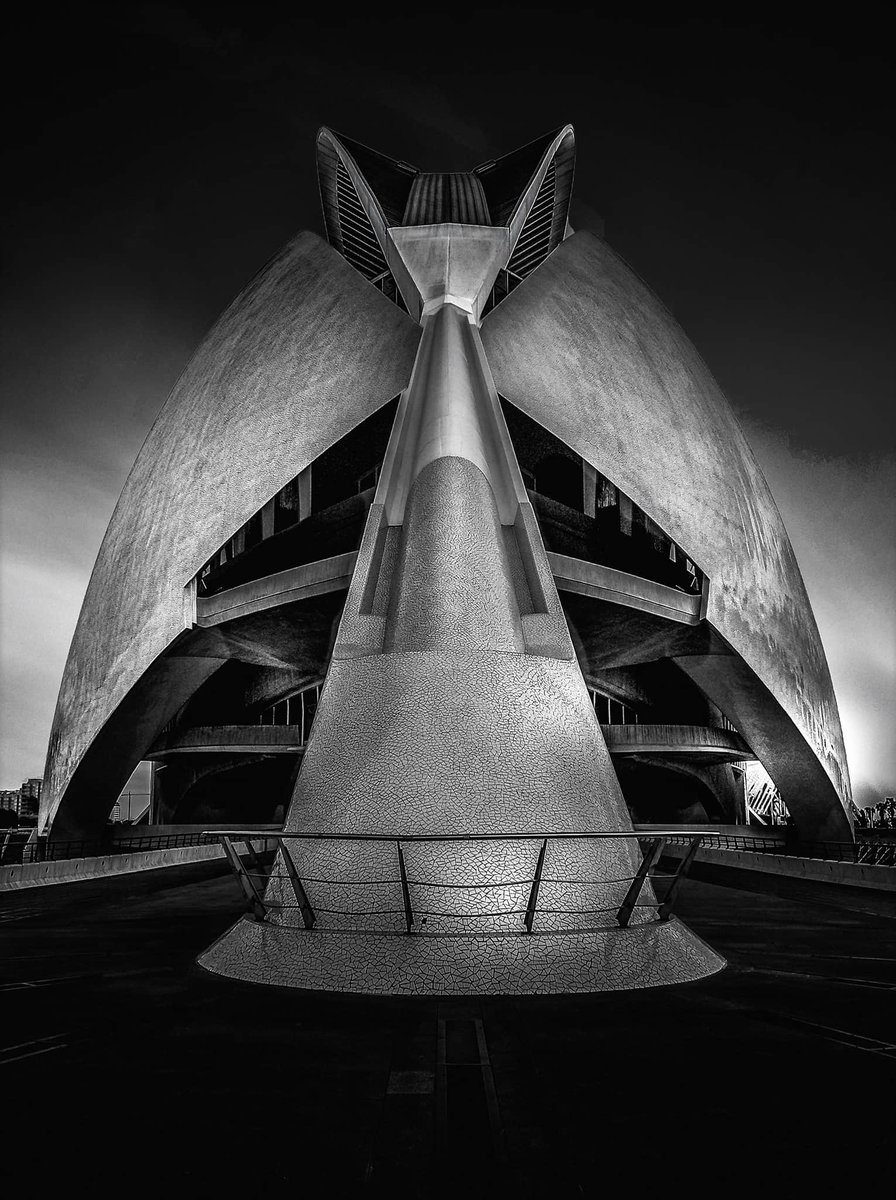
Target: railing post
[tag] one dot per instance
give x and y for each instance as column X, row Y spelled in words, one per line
column 631, row 896
column 308, row 916
column 665, row 909
column 536, row 884
column 252, row 856
column 408, row 912
column 249, row 889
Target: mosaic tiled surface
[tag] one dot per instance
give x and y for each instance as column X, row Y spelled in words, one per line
column 511, row 964
column 458, row 887
column 469, row 742
column 453, row 587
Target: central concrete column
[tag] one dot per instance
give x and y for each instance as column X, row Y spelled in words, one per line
column 454, row 707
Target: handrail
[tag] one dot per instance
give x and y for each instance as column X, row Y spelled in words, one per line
column 260, row 906
column 535, row 836
column 22, row 846
column 866, row 852
column 16, row 849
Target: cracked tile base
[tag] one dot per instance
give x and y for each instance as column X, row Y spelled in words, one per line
column 591, row 960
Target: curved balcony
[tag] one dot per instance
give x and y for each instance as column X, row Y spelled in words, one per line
column 270, row 591
column 694, row 743
column 622, row 537
column 621, row 587
column 335, row 529
column 230, row 739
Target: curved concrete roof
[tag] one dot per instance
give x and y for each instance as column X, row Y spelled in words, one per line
column 587, row 350
column 304, row 354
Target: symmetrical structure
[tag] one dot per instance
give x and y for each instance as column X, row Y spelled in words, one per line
column 458, row 490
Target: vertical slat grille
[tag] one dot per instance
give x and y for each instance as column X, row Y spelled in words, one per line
column 359, row 244
column 535, row 241
column 457, row 197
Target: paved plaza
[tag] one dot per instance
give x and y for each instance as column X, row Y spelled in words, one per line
column 774, row 1078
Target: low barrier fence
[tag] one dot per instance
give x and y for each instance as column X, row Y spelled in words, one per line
column 23, row 846
column 253, row 880
column 866, row 851
column 29, row 849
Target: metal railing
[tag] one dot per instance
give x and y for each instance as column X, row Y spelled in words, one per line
column 253, row 879
column 19, row 847
column 23, row 846
column 865, row 851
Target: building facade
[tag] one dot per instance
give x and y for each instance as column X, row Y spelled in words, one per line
column 9, row 805
column 29, row 804
column 456, row 491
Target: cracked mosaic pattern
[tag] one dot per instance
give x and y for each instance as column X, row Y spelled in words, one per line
column 453, row 585
column 458, row 887
column 512, row 964
column 435, row 742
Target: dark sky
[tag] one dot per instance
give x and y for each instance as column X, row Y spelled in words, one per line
column 158, row 155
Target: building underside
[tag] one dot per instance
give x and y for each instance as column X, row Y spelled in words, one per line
column 468, row 506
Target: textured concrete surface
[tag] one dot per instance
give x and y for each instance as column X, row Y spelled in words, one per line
column 697, row 740
column 271, row 591
column 850, row 874
column 453, row 588
column 72, row 870
column 619, row 587
column 307, row 351
column 585, row 348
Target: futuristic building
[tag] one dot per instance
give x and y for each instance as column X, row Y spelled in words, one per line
column 456, row 490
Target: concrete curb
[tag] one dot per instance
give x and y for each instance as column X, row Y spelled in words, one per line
column 821, row 870
column 71, row 870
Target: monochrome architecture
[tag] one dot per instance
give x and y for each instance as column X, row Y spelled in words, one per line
column 447, row 533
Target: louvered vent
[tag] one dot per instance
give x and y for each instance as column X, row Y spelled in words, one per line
column 535, row 240
column 359, row 244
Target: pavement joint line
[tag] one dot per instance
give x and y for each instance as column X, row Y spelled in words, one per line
column 450, row 1012
column 53, row 980
column 875, row 983
column 812, row 975
column 856, row 1041
column 41, row 1048
column 52, row 1037
column 32, row 1054
column 24, row 984
column 852, row 957
column 844, row 1037
column 491, row 1094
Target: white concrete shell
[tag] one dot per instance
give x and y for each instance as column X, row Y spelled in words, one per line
column 304, row 354
column 587, row 350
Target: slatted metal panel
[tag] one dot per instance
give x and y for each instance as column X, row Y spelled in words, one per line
column 536, row 239
column 447, row 196
column 359, row 243
column 506, row 179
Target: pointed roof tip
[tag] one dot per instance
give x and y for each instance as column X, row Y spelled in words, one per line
column 542, row 141
column 536, row 146
column 361, row 151
column 491, row 195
